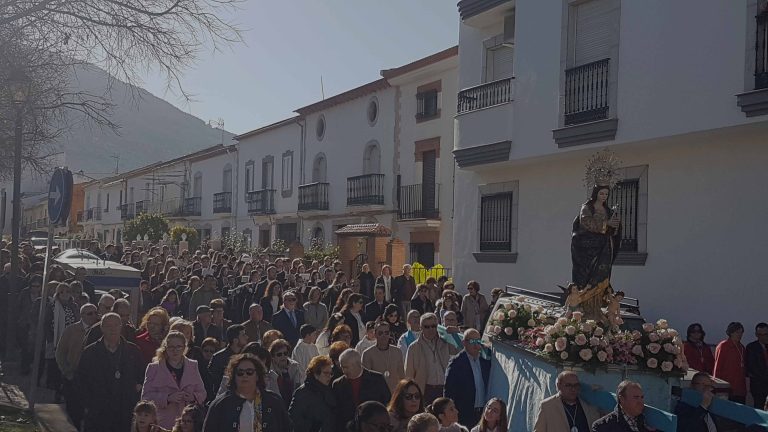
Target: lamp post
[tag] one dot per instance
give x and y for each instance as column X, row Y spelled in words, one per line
column 18, row 85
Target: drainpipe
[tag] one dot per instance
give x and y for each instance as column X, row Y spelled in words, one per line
column 302, row 157
column 235, row 194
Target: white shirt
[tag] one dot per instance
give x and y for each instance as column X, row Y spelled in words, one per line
column 364, row 344
column 387, row 287
column 303, row 353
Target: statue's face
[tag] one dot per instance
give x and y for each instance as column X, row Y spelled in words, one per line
column 602, row 195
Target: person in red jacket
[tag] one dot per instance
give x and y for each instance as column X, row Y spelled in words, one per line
column 729, row 362
column 154, row 327
column 697, row 352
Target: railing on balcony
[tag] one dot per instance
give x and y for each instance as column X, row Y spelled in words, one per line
column 367, row 189
column 222, row 202
column 485, row 95
column 313, row 196
column 192, row 206
column 97, row 213
column 761, row 51
column 261, row 201
column 127, row 211
column 142, row 207
column 586, row 92
column 419, row 201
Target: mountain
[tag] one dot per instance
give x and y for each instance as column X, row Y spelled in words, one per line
column 151, row 130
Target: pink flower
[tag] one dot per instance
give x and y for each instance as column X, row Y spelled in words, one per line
column 508, row 306
column 668, row 347
column 652, row 363
column 602, row 356
column 593, row 341
column 539, row 342
column 637, row 350
column 509, row 331
column 497, row 330
column 586, row 327
column 580, row 339
column 654, row 348
column 585, row 354
column 561, row 343
column 499, row 316
column 564, row 355
column 562, row 321
column 578, row 315
column 548, row 348
column 648, row 327
column 636, row 335
column 531, row 322
column 666, row 366
column 512, row 314
column 673, row 332
column 653, row 337
column 527, row 307
column 571, row 330
column 599, row 331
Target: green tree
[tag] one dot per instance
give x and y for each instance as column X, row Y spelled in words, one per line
column 153, row 225
column 192, row 237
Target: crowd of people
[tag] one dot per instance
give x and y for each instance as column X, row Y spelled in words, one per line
column 230, row 342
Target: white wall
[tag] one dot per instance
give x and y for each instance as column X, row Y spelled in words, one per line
column 706, row 227
column 212, row 169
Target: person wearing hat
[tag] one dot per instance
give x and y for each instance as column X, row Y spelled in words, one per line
column 204, row 326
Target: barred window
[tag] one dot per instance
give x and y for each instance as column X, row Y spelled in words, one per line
column 496, row 222
column 626, row 195
column 426, row 104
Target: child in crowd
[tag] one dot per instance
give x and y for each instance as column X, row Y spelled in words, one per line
column 445, row 410
column 170, row 302
column 145, row 418
column 305, row 349
column 369, row 340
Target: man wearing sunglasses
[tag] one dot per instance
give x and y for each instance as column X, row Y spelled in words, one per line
column 565, row 411
column 466, row 379
column 289, row 320
column 68, row 353
column 427, row 359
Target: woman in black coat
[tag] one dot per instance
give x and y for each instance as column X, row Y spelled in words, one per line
column 225, row 412
column 367, row 282
column 313, row 406
column 351, row 311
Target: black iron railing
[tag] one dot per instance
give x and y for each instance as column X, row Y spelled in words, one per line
column 313, row 196
column 419, row 201
column 127, row 211
column 496, row 222
column 261, row 201
column 142, row 206
column 626, row 194
column 761, row 51
column 222, row 202
column 365, row 189
column 485, row 95
column 89, row 214
column 586, row 92
column 93, row 213
column 192, row 206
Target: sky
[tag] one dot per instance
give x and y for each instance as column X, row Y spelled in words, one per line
column 289, row 44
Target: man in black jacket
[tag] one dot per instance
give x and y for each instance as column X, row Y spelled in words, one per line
column 109, row 376
column 468, row 391
column 757, row 365
column 376, row 308
column 356, row 386
column 697, row 419
column 628, row 415
column 236, row 341
column 289, row 319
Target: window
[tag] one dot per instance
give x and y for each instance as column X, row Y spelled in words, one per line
column 226, row 178
column 319, row 235
column 373, row 111
column 372, row 159
column 267, row 172
column 287, row 174
column 106, row 207
column 320, row 127
column 249, row 166
column 625, row 195
column 319, row 169
column 287, row 232
column 761, row 48
column 496, row 222
column 426, row 105
column 248, row 237
column 264, row 238
column 423, row 253
column 631, row 195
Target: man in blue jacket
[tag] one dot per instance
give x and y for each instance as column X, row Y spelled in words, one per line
column 466, row 379
column 289, row 320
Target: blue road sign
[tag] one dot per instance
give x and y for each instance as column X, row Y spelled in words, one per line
column 59, row 196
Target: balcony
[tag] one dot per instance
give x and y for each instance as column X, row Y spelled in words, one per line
column 192, row 206
column 485, row 96
column 127, row 211
column 222, row 202
column 419, row 201
column 755, row 102
column 142, row 207
column 93, row 213
column 313, row 196
column 261, row 201
column 586, row 92
column 367, row 189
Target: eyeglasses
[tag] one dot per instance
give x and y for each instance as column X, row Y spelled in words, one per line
column 280, row 354
column 475, row 341
column 385, row 427
column 573, row 386
column 249, row 372
column 411, row 396
column 430, row 326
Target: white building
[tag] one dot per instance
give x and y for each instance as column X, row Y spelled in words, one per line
column 676, row 89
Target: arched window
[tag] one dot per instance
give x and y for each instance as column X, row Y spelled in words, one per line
column 319, row 234
column 372, row 159
column 319, row 169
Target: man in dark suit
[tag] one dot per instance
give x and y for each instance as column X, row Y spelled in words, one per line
column 403, row 289
column 757, row 365
column 356, row 386
column 376, row 308
column 628, row 414
column 466, row 379
column 289, row 320
column 697, row 418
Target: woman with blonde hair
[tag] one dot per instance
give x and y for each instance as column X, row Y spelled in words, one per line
column 196, row 353
column 173, row 381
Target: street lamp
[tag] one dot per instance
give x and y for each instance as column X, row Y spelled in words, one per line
column 19, row 84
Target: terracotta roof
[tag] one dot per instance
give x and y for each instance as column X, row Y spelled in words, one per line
column 373, row 229
column 266, row 128
column 420, row 63
column 347, row 96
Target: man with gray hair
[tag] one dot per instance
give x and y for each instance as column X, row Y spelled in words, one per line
column 628, row 415
column 427, row 359
column 466, row 379
column 356, row 386
column 565, row 410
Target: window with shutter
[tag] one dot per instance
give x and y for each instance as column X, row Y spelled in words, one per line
column 499, row 62
column 592, row 31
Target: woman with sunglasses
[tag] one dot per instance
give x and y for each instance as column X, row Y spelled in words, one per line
column 396, row 326
column 289, row 373
column 313, row 405
column 172, row 381
column 494, row 417
column 697, row 352
column 247, row 405
column 407, row 401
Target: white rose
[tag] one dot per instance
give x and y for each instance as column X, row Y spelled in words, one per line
column 666, row 366
column 580, row 339
column 571, row 330
column 652, row 363
column 500, row 316
column 531, row 322
column 539, row 308
column 508, row 306
column 562, row 321
column 654, row 348
column 561, row 343
column 549, row 348
column 648, row 327
column 564, row 355
column 653, row 337
column 602, row 356
column 586, row 327
column 673, row 332
column 585, row 354
column 594, row 341
column 497, row 330
column 512, row 314
column 577, row 315
column 662, row 323
column 599, row 331
column 509, row 331
column 668, row 347
column 540, row 342
column 527, row 307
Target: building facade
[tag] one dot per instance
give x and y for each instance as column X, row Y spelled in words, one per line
column 544, row 85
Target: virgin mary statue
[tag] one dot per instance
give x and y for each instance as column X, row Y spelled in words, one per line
column 595, row 236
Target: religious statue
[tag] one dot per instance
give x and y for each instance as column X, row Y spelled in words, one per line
column 613, row 314
column 596, row 235
column 573, row 300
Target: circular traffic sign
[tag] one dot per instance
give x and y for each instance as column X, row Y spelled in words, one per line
column 59, row 196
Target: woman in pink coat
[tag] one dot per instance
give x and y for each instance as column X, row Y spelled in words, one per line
column 172, row 381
